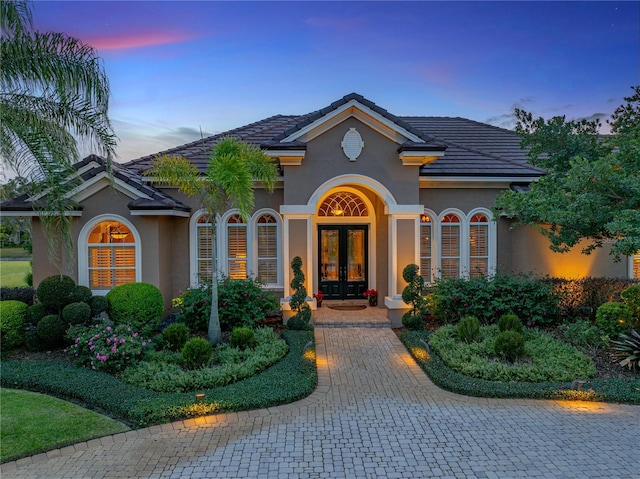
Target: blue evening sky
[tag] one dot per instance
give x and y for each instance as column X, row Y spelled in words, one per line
column 181, row 67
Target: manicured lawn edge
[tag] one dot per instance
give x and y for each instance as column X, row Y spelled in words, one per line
column 293, row 378
column 608, row 390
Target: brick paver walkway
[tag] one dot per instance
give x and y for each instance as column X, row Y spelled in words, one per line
column 374, row 415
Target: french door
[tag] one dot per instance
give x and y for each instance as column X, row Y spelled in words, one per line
column 343, row 259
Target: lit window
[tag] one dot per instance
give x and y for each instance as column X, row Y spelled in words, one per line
column 450, row 246
column 635, row 266
column 204, row 249
column 478, row 245
column 425, row 248
column 111, row 249
column 267, row 234
column 343, row 204
column 237, row 247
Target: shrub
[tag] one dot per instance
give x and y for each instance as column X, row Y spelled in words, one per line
column 614, row 318
column 510, row 322
column 298, row 302
column 631, row 297
column 12, row 324
column 242, row 338
column 509, row 345
column 175, row 336
column 242, row 302
column 55, row 292
column 585, row 335
column 81, row 294
column 489, row 298
column 22, row 293
column 197, row 353
column 138, row 304
column 99, row 305
column 194, row 307
column 628, row 349
column 76, row 313
column 35, row 313
column 50, row 330
column 411, row 322
column 412, row 295
column 107, row 348
column 468, row 329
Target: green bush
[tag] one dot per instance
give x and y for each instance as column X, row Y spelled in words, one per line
column 35, row 313
column 138, row 304
column 194, row 307
column 55, row 292
column 614, row 318
column 76, row 313
column 51, row 331
column 197, row 353
column 243, row 302
column 412, row 322
column 99, row 305
column 175, row 336
column 20, row 293
column 627, row 349
column 510, row 322
column 298, row 302
column 584, row 334
column 12, row 324
column 242, row 338
column 106, row 348
column 631, row 297
column 81, row 294
column 468, row 329
column 487, row 299
column 509, row 345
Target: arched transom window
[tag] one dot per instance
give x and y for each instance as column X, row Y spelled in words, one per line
column 111, row 257
column 343, row 203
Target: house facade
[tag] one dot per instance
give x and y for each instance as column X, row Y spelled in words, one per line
column 361, row 194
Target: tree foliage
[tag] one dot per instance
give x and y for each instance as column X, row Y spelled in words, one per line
column 592, row 187
column 228, row 183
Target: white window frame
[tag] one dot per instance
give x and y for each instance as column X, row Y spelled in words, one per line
column 253, row 270
column 435, row 261
column 193, row 245
column 635, row 257
column 83, row 249
column 463, row 233
column 492, row 246
column 223, row 242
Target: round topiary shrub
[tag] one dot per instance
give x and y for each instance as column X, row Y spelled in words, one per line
column 35, row 313
column 509, row 345
column 51, row 330
column 55, row 292
column 81, row 294
column 76, row 313
column 12, row 322
column 197, row 353
column 138, row 304
column 614, row 318
column 243, row 338
column 413, row 322
column 510, row 322
column 99, row 305
column 468, row 329
column 175, row 336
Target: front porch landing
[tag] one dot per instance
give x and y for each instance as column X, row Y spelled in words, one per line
column 369, row 317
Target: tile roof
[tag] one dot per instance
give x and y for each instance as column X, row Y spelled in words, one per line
column 473, row 148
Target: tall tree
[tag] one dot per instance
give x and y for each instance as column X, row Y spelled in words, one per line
column 228, row 183
column 592, row 187
column 54, row 93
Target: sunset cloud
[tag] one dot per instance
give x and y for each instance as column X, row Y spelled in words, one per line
column 137, row 40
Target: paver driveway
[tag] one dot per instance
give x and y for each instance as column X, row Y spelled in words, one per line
column 374, row 415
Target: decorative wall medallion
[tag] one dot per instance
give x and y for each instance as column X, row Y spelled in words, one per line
column 352, row 144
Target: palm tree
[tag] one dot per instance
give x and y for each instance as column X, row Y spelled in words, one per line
column 53, row 93
column 227, row 183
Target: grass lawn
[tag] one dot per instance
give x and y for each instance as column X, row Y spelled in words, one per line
column 14, row 253
column 33, row 423
column 12, row 273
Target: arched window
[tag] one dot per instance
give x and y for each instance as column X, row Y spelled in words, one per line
column 110, row 257
column 343, row 203
column 450, row 246
column 266, row 230
column 478, row 245
column 426, row 238
column 236, row 247
column 635, row 266
column 204, row 251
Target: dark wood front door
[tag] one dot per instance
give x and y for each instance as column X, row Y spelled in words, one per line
column 343, row 259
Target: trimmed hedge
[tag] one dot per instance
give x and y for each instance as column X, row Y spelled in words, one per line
column 609, row 390
column 12, row 324
column 291, row 379
column 21, row 293
column 139, row 305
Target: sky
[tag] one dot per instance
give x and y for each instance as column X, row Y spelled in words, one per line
column 182, row 69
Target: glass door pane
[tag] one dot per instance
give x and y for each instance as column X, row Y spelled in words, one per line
column 355, row 255
column 329, row 261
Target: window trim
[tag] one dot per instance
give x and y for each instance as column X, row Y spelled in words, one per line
column 194, row 280
column 463, row 233
column 83, row 249
column 435, row 244
column 253, row 270
column 635, row 257
column 492, row 243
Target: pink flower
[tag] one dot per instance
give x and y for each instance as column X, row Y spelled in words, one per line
column 121, row 340
column 108, row 328
column 135, row 335
column 143, row 343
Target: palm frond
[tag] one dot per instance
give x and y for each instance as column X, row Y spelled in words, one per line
column 176, row 171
